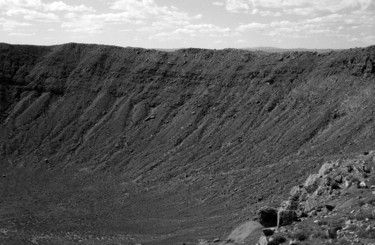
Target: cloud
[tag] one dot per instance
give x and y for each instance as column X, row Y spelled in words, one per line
column 11, row 25
column 251, row 27
column 237, row 6
column 95, row 23
column 42, row 6
column 193, row 31
column 32, row 14
column 61, row 6
column 153, row 17
column 218, row 3
column 331, row 25
column 83, row 26
column 21, row 34
column 38, row 10
column 148, row 8
column 297, row 7
column 20, row 3
column 368, row 39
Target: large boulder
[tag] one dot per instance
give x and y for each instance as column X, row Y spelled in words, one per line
column 312, row 183
column 295, row 192
column 290, row 204
column 326, row 168
column 262, row 241
column 248, row 232
column 267, row 217
column 311, row 203
column 287, row 217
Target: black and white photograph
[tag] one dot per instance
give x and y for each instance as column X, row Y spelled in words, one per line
column 187, row 122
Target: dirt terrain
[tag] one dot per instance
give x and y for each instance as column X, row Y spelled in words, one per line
column 110, row 145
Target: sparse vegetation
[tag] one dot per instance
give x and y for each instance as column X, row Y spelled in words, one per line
column 366, row 233
column 301, row 235
column 279, row 238
column 371, row 201
column 322, row 222
column 363, row 215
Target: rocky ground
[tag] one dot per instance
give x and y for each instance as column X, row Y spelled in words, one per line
column 110, row 145
column 334, row 206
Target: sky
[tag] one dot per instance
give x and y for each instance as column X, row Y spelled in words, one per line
column 212, row 24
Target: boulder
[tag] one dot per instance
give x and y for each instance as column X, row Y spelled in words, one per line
column 320, row 191
column 311, row 203
column 291, row 204
column 304, row 195
column 347, row 183
column 332, row 232
column 293, row 242
column 286, row 217
column 249, row 231
column 366, row 169
column 362, row 184
column 268, row 232
column 295, row 192
column 338, row 179
column 335, row 185
column 312, row 183
column 326, row 168
column 267, row 217
column 262, row 241
column 330, row 206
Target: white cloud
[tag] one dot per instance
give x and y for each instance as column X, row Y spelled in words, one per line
column 297, row 7
column 61, row 6
column 20, row 3
column 188, row 31
column 236, row 6
column 21, row 34
column 11, row 25
column 143, row 9
column 83, row 26
column 335, row 26
column 42, row 6
column 252, row 27
column 166, row 36
column 153, row 17
column 88, row 23
column 218, row 3
column 32, row 14
column 368, row 39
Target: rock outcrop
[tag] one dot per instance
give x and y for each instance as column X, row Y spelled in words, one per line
column 337, row 203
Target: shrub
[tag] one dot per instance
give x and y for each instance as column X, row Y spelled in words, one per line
column 363, row 215
column 273, row 242
column 363, row 233
column 371, row 180
column 371, row 201
column 322, row 222
column 279, row 238
column 319, row 233
column 339, row 242
column 300, row 235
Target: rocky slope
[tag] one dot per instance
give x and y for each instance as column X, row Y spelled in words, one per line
column 334, row 206
column 166, row 147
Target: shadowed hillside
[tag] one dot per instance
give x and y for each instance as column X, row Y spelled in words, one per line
column 134, row 145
